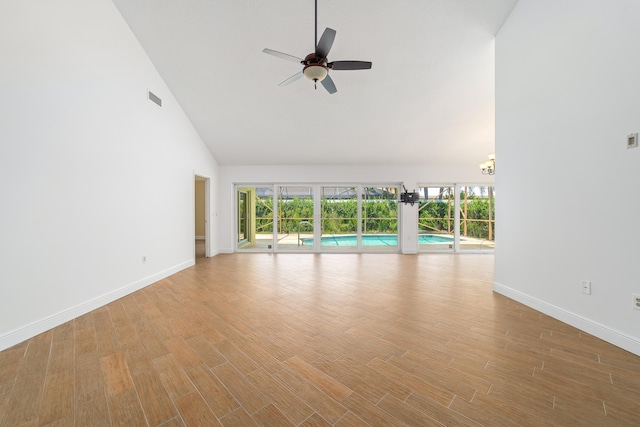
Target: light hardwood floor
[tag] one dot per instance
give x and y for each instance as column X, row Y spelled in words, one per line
column 319, row 340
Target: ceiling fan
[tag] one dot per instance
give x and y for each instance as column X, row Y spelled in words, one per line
column 315, row 65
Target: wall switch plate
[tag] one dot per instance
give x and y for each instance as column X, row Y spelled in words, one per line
column 636, row 301
column 632, row 140
column 586, row 287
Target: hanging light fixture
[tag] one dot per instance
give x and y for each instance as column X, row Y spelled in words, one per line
column 489, row 167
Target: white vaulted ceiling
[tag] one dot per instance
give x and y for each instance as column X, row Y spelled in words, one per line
column 429, row 97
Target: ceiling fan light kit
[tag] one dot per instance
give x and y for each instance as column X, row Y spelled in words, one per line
column 315, row 65
column 315, row 72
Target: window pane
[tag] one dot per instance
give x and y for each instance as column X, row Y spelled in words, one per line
column 477, row 218
column 436, row 212
column 295, row 218
column 380, row 219
column 339, row 218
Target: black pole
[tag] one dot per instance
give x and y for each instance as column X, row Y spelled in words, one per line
column 316, row 33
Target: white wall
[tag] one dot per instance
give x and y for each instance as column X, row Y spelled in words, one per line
column 93, row 176
column 340, row 174
column 567, row 87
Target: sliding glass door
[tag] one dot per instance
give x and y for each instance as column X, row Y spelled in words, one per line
column 254, row 205
column 317, row 218
column 359, row 218
column 456, row 218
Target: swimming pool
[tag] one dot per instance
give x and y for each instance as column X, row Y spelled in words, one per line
column 375, row 240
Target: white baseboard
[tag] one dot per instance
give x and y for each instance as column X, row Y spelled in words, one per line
column 596, row 329
column 31, row 330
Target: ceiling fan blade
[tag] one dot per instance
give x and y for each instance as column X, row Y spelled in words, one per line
column 325, row 43
column 282, row 55
column 349, row 65
column 329, row 85
column 292, row 79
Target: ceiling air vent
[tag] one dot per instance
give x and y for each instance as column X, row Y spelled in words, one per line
column 154, row 98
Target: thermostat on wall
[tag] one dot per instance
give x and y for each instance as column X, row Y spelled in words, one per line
column 632, row 140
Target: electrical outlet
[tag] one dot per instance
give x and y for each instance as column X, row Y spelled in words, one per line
column 636, row 301
column 586, row 287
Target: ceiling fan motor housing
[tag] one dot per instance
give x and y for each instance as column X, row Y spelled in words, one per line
column 314, row 68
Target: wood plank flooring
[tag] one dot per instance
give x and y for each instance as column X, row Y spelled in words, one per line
column 319, row 340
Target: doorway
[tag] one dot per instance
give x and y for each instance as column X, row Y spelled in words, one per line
column 201, row 218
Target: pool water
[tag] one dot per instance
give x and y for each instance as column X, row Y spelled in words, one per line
column 375, row 240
